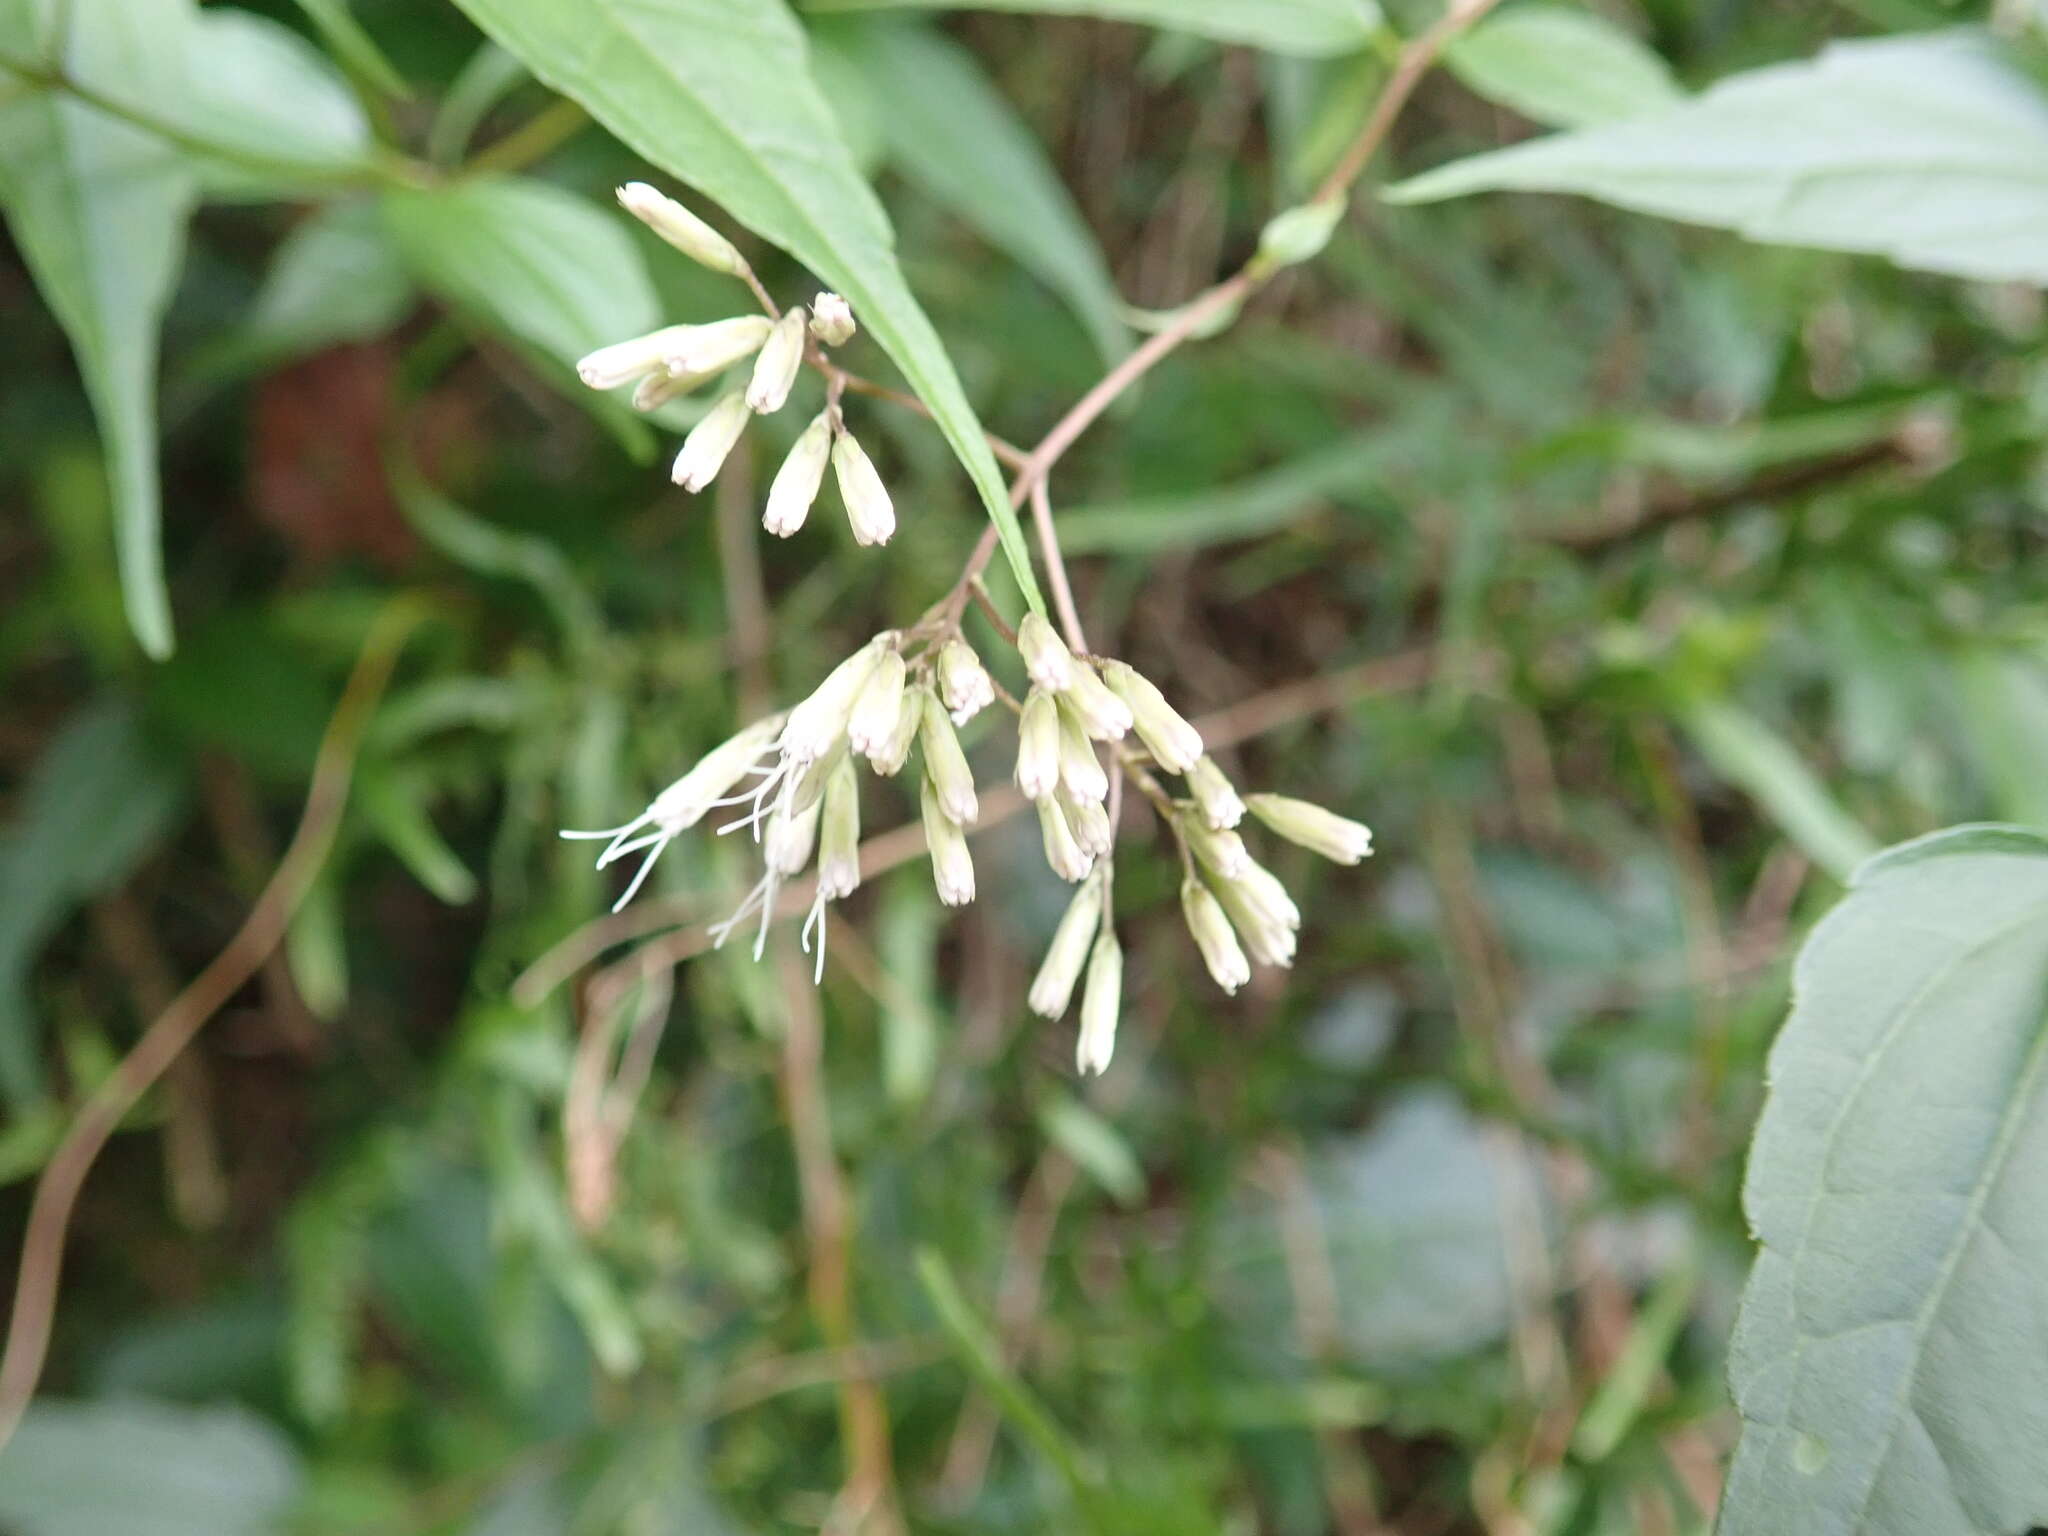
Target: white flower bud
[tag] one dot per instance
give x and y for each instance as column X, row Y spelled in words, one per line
column 1213, row 936
column 1249, row 905
column 1174, row 744
column 796, row 483
column 624, row 361
column 1053, row 988
column 832, row 320
column 952, row 864
column 1045, row 654
column 791, row 835
column 1089, row 822
column 877, row 706
column 839, row 833
column 685, row 803
column 1101, row 1000
column 1101, row 713
column 895, row 751
column 1318, row 830
column 705, row 449
column 1214, row 793
column 1038, row 745
column 963, row 682
column 681, row 228
column 818, row 725
column 868, row 508
column 1062, row 852
column 1266, row 896
column 945, row 765
column 775, row 370
column 1080, row 769
column 1220, row 850
column 662, row 386
column 709, row 348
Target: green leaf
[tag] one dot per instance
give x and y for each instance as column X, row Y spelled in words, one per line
column 1561, row 66
column 99, row 210
column 950, row 131
column 90, row 1469
column 1887, row 1360
column 1931, row 149
column 357, row 50
column 261, row 89
column 1284, row 26
column 1748, row 752
column 719, row 94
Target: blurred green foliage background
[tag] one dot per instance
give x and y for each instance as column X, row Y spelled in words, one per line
column 1651, row 579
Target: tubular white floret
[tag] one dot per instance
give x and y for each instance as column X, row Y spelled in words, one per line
column 945, row 765
column 1088, row 820
column 1220, row 850
column 1267, row 936
column 1062, row 851
column 1213, row 936
column 832, row 320
column 1214, row 794
column 662, row 386
column 796, row 483
column 1053, row 988
column 1101, row 1000
column 952, row 864
column 964, row 683
column 1081, row 771
column 1174, row 744
column 1045, row 654
column 839, row 833
column 1038, row 745
column 877, row 706
column 868, row 508
column 705, row 449
column 1320, row 831
column 894, row 752
column 624, row 361
column 776, row 368
column 818, row 724
column 681, row 228
column 1101, row 713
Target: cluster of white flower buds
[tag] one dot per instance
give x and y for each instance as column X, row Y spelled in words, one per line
column 680, row 359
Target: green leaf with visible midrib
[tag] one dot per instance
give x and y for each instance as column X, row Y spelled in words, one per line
column 719, row 94
column 1931, row 149
column 1889, row 1359
column 1285, row 26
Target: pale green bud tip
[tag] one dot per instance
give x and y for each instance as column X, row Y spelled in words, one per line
column 952, row 864
column 1053, row 988
column 1101, row 1000
column 945, row 765
column 1213, row 936
column 877, row 706
column 796, row 483
column 963, row 682
column 710, row 441
column 781, row 359
column 1038, row 746
column 681, row 228
column 1174, row 744
column 1214, row 794
column 1081, row 770
column 832, row 320
column 1062, row 852
column 1300, row 234
column 868, row 508
column 839, row 833
column 1045, row 654
column 1318, row 830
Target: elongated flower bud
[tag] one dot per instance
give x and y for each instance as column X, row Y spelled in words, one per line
column 624, row 361
column 839, row 834
column 1266, row 940
column 786, row 848
column 832, row 320
column 1081, row 770
column 1314, row 828
column 964, row 683
column 1220, row 850
column 952, row 864
column 684, row 803
column 1101, row 713
column 708, row 348
column 775, row 370
column 796, row 484
column 1038, row 745
column 1215, row 794
column 877, row 706
column 1053, row 988
column 1266, row 896
column 895, row 752
column 681, row 228
column 1045, row 654
column 1062, row 852
column 1174, row 744
column 1101, row 1000
column 945, row 765
column 1089, row 822
column 868, row 508
column 819, row 724
column 1213, row 936
column 705, row 449
column 662, row 386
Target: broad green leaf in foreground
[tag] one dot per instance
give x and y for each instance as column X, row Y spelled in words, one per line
column 1930, row 149
column 1891, row 1358
column 1561, row 66
column 1285, row 26
column 719, row 93
column 949, row 130
column 99, row 210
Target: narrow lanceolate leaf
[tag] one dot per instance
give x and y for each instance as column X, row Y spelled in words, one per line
column 1284, row 26
column 99, row 210
column 719, row 94
column 1930, row 149
column 1561, row 66
column 950, row 131
column 1891, row 1358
